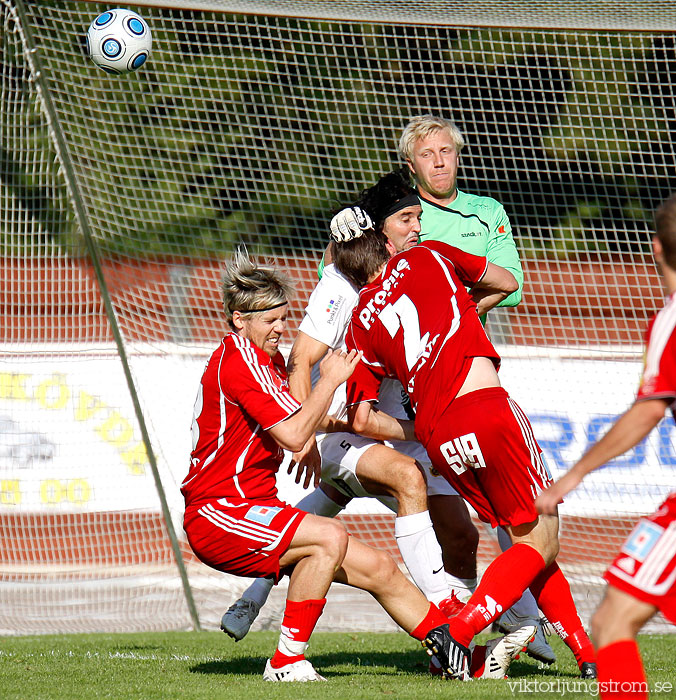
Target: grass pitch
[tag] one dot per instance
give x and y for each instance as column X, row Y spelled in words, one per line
column 210, row 666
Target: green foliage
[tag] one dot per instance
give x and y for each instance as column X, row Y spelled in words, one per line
column 208, row 666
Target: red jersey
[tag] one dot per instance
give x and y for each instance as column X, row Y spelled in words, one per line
column 242, row 394
column 417, row 323
column 659, row 372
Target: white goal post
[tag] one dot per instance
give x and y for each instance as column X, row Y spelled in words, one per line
column 252, row 122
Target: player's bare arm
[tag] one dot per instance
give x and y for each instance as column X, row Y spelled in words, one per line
column 368, row 421
column 496, row 284
column 629, row 429
column 305, row 353
column 335, row 368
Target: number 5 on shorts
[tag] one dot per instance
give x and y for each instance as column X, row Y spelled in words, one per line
column 463, row 452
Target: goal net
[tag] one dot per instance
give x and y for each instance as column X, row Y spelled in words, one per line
column 252, row 122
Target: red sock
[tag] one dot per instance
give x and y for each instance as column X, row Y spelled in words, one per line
column 502, row 584
column 621, row 673
column 434, row 618
column 477, row 663
column 552, row 593
column 300, row 619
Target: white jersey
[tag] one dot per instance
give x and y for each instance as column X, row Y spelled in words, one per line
column 327, row 316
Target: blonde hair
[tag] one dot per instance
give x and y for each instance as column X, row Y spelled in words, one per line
column 423, row 126
column 251, row 288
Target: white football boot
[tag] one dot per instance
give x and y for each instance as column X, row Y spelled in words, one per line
column 299, row 671
column 501, row 651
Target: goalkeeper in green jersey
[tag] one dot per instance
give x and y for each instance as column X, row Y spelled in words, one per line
column 431, row 148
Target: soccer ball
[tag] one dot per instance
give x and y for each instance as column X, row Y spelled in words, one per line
column 119, row 41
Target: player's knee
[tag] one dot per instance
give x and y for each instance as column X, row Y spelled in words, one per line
column 542, row 534
column 619, row 616
column 332, row 537
column 547, row 549
column 407, row 479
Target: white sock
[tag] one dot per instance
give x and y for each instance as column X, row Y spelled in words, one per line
column 259, row 590
column 319, row 503
column 421, row 553
column 462, row 587
column 526, row 605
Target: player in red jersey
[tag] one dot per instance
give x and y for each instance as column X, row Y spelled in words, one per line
column 642, row 578
column 416, row 322
column 244, row 415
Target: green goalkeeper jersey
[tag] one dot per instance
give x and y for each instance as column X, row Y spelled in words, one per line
column 477, row 225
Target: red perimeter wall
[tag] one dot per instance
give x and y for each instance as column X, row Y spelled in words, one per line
column 125, row 539
column 601, row 301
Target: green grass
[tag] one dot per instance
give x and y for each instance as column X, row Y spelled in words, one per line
column 209, row 666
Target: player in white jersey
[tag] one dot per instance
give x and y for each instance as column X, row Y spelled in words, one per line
column 244, row 415
column 354, row 466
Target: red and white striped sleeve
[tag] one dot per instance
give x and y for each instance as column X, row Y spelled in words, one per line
column 659, row 373
column 258, row 384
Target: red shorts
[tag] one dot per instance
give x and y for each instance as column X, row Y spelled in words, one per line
column 240, row 537
column 646, row 565
column 484, row 445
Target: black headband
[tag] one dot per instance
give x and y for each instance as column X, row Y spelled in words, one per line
column 409, row 200
column 268, row 308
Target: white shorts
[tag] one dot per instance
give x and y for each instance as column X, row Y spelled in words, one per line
column 340, row 453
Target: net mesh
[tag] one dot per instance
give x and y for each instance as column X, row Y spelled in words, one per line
column 251, row 124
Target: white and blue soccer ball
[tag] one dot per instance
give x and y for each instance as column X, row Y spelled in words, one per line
column 119, row 41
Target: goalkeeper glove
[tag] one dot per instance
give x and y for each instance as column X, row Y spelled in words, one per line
column 350, row 223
